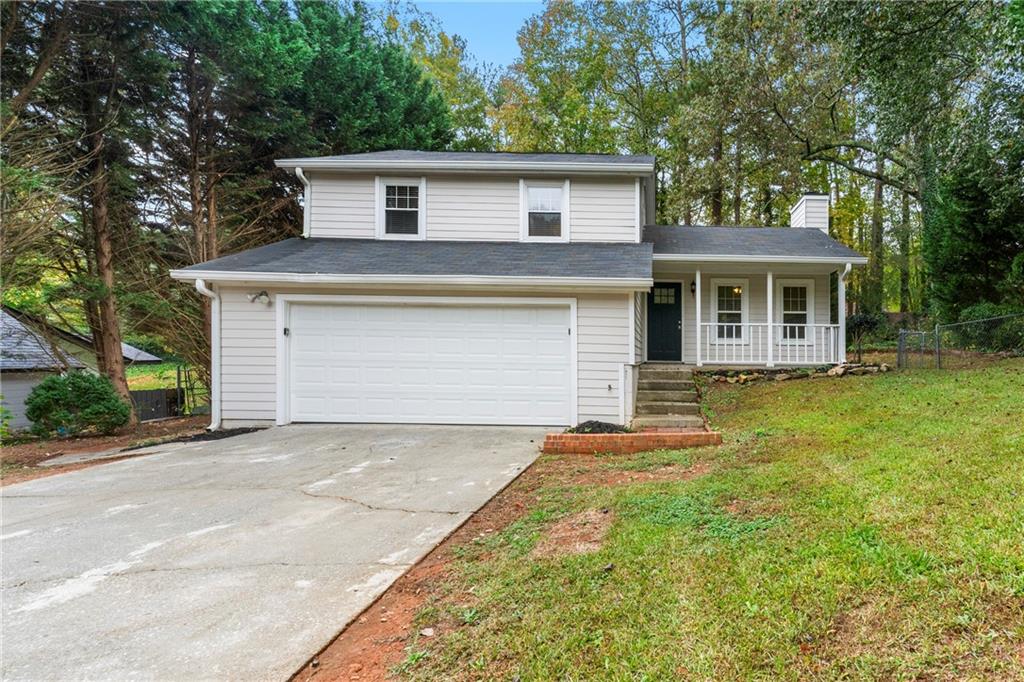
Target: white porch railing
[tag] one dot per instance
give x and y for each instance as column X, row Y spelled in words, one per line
column 748, row 344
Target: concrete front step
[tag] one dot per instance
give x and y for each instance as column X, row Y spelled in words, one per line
column 663, row 370
column 667, row 408
column 668, row 421
column 645, row 395
column 664, row 385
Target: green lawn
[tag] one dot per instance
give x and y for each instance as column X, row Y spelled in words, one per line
column 143, row 377
column 861, row 528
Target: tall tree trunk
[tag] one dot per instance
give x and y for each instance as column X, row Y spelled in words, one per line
column 904, row 246
column 717, row 186
column 109, row 325
column 737, row 193
column 107, row 332
column 875, row 294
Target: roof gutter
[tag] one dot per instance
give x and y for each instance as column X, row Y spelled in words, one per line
column 727, row 258
column 307, row 199
column 625, row 283
column 214, row 352
column 642, row 169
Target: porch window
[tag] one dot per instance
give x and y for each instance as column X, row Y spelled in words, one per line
column 730, row 309
column 794, row 309
column 794, row 313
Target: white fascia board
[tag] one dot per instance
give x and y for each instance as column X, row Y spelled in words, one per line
column 623, row 283
column 716, row 258
column 640, row 169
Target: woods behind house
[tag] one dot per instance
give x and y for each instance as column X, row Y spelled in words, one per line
column 139, row 137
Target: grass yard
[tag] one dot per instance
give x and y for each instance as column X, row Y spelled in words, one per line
column 144, row 377
column 860, row 528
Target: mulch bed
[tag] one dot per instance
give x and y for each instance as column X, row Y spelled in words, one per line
column 369, row 647
column 21, row 462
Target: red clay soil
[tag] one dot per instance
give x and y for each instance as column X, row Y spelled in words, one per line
column 21, row 462
column 371, row 646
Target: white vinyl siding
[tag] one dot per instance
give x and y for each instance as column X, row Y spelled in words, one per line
column 474, row 208
column 248, row 356
column 249, row 334
column 343, row 206
column 639, row 325
column 603, row 210
column 467, row 208
column 603, row 324
column 15, row 387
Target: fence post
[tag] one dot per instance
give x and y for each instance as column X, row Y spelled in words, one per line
column 899, row 350
column 938, row 348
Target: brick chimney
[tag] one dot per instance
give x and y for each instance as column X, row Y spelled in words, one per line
column 810, row 211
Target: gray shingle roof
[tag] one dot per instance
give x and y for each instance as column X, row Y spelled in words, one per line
column 439, row 258
column 137, row 355
column 475, row 159
column 23, row 349
column 765, row 242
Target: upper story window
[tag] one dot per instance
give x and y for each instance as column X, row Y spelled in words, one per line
column 401, row 208
column 545, row 210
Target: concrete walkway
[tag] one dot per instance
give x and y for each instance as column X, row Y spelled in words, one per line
column 232, row 559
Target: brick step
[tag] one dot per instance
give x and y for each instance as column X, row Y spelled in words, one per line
column 664, row 384
column 668, row 421
column 646, row 395
column 674, row 408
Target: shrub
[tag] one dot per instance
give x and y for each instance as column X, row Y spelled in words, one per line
column 986, row 334
column 859, row 326
column 73, row 403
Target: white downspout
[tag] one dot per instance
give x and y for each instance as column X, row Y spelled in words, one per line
column 307, row 198
column 214, row 352
column 841, row 305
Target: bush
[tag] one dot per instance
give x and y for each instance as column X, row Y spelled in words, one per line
column 985, row 334
column 76, row 402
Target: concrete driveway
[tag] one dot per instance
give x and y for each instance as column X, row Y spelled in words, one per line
column 232, row 559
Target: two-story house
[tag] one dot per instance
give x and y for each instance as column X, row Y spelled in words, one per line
column 499, row 288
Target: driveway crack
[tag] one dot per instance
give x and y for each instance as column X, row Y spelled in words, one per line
column 367, row 505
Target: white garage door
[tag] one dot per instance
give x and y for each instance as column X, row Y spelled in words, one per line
column 430, row 363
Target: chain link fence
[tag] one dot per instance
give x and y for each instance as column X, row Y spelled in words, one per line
column 973, row 343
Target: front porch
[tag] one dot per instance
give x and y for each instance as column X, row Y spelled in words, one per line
column 733, row 315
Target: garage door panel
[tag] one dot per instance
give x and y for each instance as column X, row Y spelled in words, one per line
column 430, row 363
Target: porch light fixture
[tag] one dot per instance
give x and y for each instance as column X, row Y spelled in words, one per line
column 259, row 297
column 693, row 288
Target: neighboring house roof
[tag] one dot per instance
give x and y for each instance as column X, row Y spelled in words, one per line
column 23, row 349
column 137, row 356
column 131, row 354
column 477, row 161
column 752, row 244
column 367, row 260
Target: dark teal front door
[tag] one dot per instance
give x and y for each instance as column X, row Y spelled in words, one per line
column 665, row 322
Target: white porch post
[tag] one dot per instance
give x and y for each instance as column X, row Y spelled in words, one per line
column 700, row 329
column 771, row 315
column 841, row 311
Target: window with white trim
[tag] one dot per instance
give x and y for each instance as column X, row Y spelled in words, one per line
column 400, row 208
column 545, row 212
column 729, row 310
column 794, row 308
